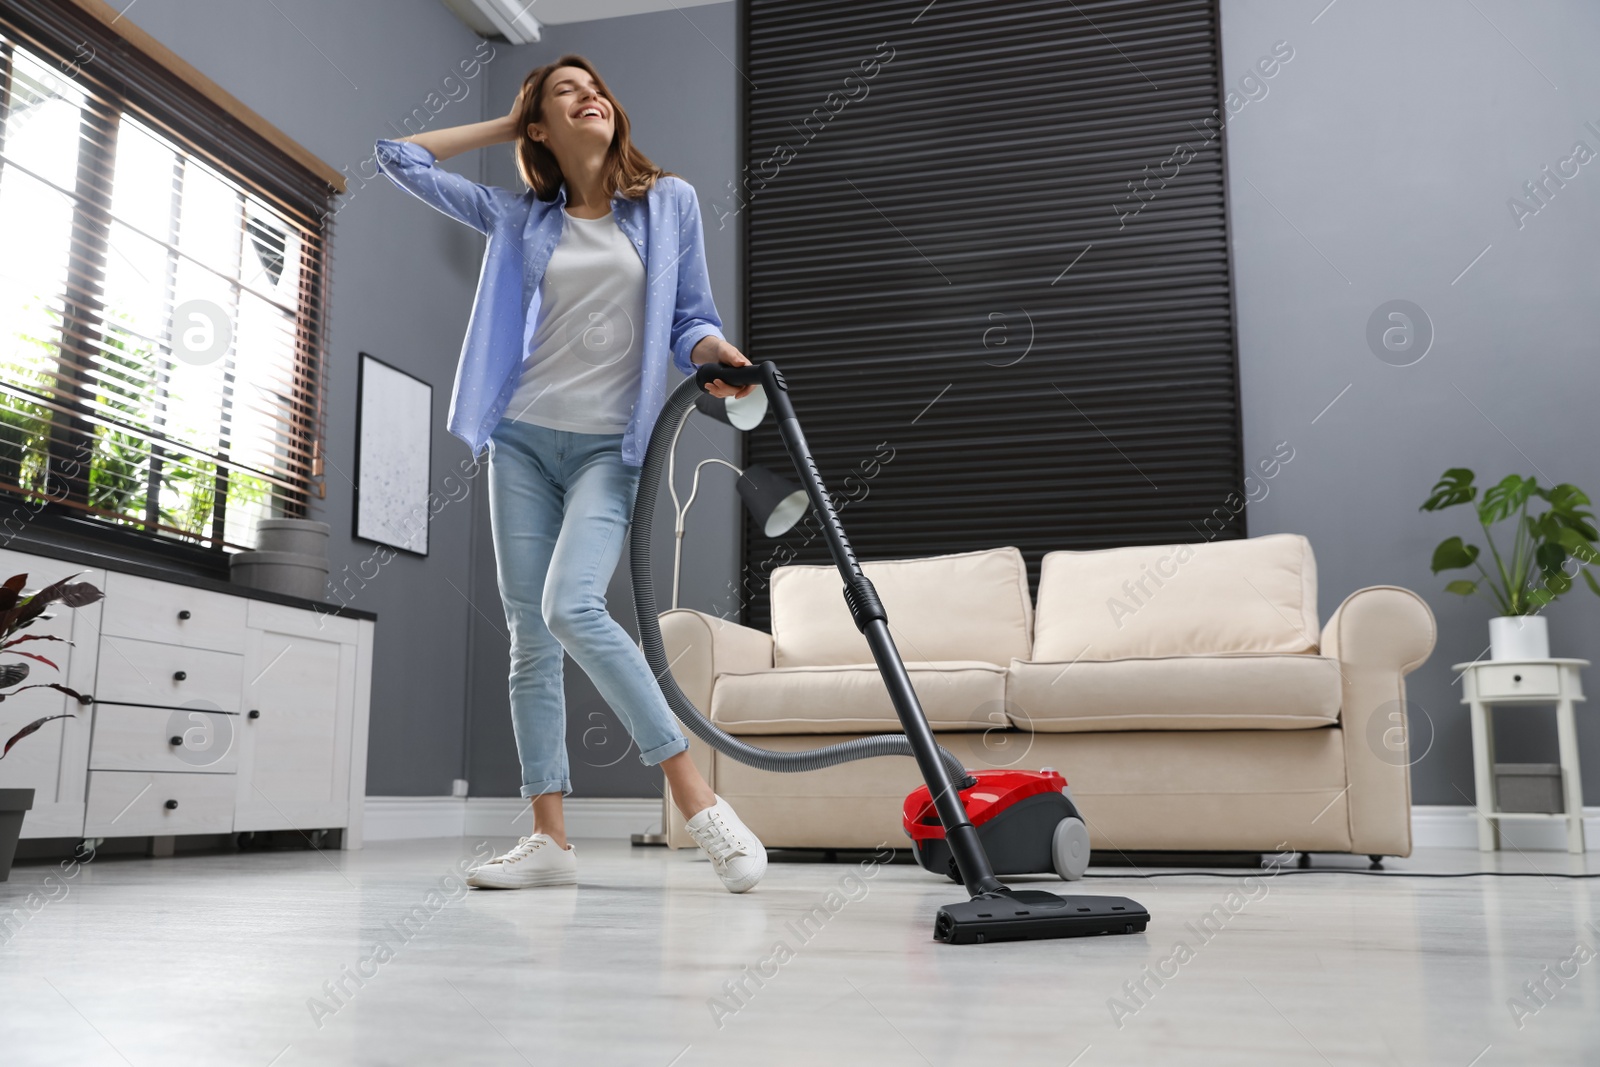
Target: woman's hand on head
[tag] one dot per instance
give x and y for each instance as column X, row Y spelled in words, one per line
column 714, row 349
column 513, row 120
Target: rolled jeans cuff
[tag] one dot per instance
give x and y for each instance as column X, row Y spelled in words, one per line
column 666, row 751
column 549, row 785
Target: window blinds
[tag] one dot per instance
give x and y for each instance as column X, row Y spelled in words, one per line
column 1002, row 300
column 163, row 293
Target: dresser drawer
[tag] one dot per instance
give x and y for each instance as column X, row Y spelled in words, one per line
column 172, row 676
column 1519, row 679
column 142, row 739
column 176, row 614
column 140, row 804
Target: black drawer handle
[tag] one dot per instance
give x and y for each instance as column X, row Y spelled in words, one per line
column 184, row 614
column 171, row 805
column 1516, row 677
column 176, row 740
column 178, row 676
column 255, row 713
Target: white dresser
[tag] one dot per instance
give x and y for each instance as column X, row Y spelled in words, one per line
column 215, row 710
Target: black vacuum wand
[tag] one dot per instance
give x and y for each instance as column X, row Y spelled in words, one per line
column 996, row 912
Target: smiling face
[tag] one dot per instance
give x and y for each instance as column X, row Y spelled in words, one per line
column 577, row 116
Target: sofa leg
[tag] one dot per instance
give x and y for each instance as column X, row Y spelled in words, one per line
column 1377, row 863
column 1305, row 859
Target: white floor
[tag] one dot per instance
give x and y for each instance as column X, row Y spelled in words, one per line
column 234, row 959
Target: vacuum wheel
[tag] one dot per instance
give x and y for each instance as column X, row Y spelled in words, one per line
column 1069, row 848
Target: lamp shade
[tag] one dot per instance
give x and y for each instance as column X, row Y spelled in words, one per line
column 776, row 502
column 741, row 414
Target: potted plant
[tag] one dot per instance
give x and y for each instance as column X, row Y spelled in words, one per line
column 1548, row 550
column 18, row 612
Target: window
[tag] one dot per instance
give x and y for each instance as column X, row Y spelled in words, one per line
column 161, row 315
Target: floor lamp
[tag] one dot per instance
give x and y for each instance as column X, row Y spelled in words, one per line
column 774, row 501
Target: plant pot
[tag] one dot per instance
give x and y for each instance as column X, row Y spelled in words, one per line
column 294, row 573
column 1519, row 637
column 14, row 803
column 306, row 536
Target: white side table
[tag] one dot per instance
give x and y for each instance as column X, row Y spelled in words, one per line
column 1486, row 683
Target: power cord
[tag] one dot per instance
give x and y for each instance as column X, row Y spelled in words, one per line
column 1245, row 872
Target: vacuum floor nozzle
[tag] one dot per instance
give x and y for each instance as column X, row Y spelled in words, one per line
column 1035, row 915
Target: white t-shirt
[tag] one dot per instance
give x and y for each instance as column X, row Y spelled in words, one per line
column 583, row 358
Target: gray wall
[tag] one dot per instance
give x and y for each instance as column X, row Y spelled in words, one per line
column 1377, row 167
column 673, row 73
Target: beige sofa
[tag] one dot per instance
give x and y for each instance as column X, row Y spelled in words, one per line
column 1186, row 692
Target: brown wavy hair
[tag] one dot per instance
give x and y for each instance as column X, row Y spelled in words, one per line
column 627, row 170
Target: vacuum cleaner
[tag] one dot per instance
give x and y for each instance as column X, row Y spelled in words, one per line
column 995, row 912
column 1026, row 823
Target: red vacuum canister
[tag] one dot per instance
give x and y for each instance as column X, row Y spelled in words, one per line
column 1025, row 820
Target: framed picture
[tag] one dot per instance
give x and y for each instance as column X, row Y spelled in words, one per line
column 394, row 455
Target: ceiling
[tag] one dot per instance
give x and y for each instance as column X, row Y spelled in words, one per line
column 556, row 12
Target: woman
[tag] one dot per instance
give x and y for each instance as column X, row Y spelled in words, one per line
column 593, row 281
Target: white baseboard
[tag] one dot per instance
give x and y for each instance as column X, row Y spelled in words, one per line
column 401, row 818
column 1456, row 826
column 610, row 817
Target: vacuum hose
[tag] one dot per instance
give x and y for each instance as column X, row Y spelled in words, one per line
column 662, row 439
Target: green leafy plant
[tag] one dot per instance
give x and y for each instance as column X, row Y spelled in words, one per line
column 125, row 468
column 1535, row 569
column 18, row 612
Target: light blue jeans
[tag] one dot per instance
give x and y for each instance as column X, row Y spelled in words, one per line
column 560, row 504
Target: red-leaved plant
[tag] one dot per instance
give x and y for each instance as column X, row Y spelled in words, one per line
column 17, row 613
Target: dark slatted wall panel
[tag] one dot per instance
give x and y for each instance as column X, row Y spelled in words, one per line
column 998, row 288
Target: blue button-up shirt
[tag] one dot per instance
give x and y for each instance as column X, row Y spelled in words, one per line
column 664, row 228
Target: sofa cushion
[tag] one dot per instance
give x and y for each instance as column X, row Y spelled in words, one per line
column 955, row 695
column 1273, row 691
column 963, row 606
column 1253, row 595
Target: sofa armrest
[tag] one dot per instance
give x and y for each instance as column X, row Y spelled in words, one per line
column 1379, row 635
column 698, row 648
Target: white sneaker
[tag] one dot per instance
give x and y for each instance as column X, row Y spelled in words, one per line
column 736, row 855
column 532, row 861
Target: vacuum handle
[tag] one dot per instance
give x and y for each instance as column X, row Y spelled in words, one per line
column 871, row 619
column 731, row 375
